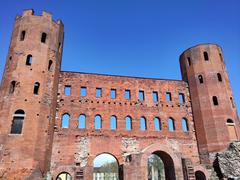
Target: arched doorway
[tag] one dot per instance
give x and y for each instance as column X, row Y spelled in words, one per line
column 105, row 166
column 160, row 166
column 200, row 175
column 64, row 176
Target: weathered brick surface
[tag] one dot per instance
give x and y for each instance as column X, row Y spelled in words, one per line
column 46, row 149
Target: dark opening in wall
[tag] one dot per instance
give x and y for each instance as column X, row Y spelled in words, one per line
column 50, row 64
column 200, row 78
column 22, row 36
column 181, row 98
column 232, row 102
column 12, row 87
column 215, row 100
column 36, row 88
column 219, row 77
column 43, row 37
column 189, row 61
column 29, row 60
column 205, row 54
column 17, row 122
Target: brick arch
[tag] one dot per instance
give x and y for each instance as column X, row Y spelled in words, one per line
column 159, row 147
column 61, row 169
column 203, row 170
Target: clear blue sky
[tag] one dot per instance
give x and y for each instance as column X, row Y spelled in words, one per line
column 136, row 38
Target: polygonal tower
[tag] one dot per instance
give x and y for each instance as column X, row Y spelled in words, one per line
column 215, row 115
column 28, row 96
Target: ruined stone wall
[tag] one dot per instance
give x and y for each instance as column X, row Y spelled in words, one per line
column 75, row 148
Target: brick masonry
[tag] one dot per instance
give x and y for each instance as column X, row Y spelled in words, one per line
column 45, row 149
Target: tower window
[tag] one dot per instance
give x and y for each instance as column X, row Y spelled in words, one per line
column 205, row 54
column 22, row 36
column 232, row 102
column 219, row 77
column 200, row 78
column 44, row 37
column 189, row 61
column 113, row 123
column 36, row 88
column 157, row 124
column 12, row 87
column 181, row 98
column 127, row 94
column 128, row 121
column 67, row 90
column 113, row 93
column 29, row 60
column 143, row 124
column 168, row 97
column 185, row 127
column 17, row 122
column 82, row 121
column 83, row 91
column 65, row 120
column 98, row 92
column 215, row 100
column 50, row 64
column 141, row 95
column 155, row 96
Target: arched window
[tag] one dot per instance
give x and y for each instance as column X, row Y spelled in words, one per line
column 50, row 64
column 17, row 122
column 189, row 61
column 185, row 127
column 157, row 124
column 98, row 122
column 171, row 125
column 43, row 37
column 231, row 129
column 143, row 124
column 36, row 88
column 82, row 121
column 128, row 121
column 219, row 77
column 64, row 176
column 205, row 54
column 22, row 36
column 29, row 60
column 215, row 100
column 200, row 78
column 113, row 123
column 12, row 87
column 65, row 120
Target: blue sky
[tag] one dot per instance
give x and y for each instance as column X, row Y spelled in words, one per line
column 135, row 38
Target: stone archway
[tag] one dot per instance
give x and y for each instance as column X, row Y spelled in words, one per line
column 172, row 164
column 199, row 175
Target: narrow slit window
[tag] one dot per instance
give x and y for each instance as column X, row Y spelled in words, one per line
column 155, row 96
column 12, row 87
column 82, row 121
column 200, row 78
column 22, row 36
column 50, row 64
column 17, row 122
column 168, row 96
column 113, row 123
column 113, row 93
column 65, row 120
column 83, row 91
column 189, row 61
column 181, row 98
column 185, row 125
column 205, row 54
column 98, row 92
column 219, row 77
column 232, row 102
column 221, row 58
column 98, row 122
column 141, row 95
column 59, row 47
column 128, row 121
column 29, row 60
column 43, row 37
column 143, row 124
column 171, row 125
column 127, row 94
column 215, row 100
column 157, row 124
column 67, row 90
column 36, row 88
